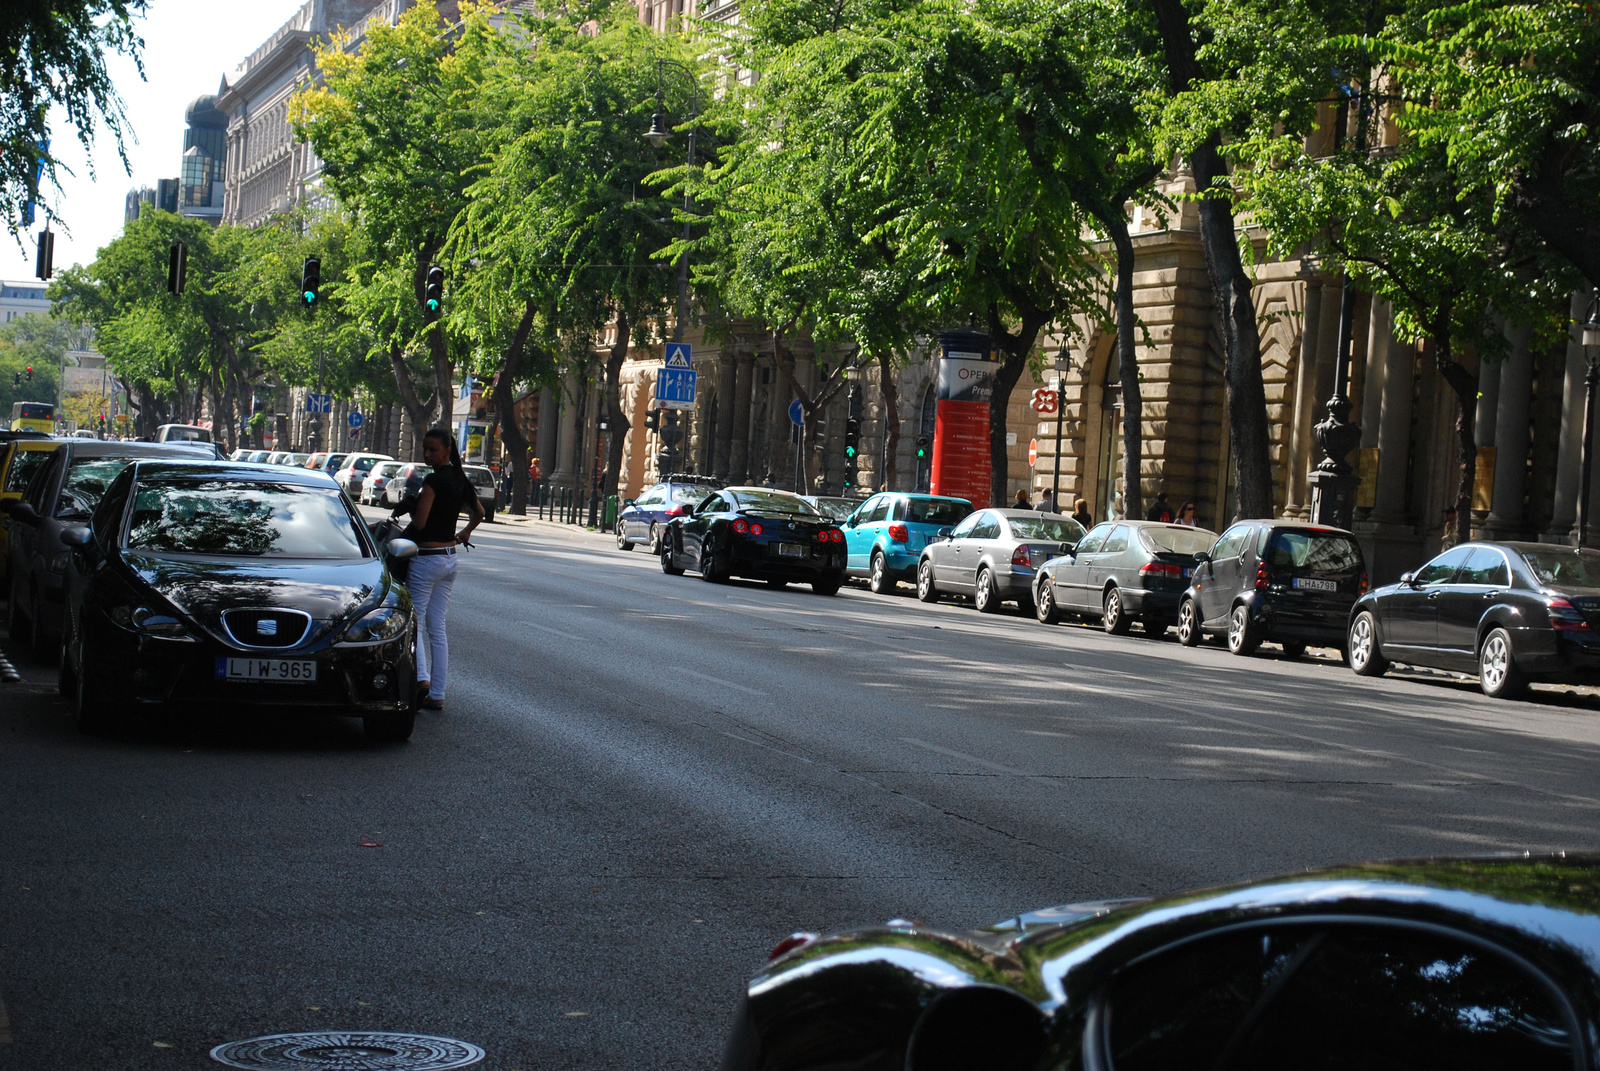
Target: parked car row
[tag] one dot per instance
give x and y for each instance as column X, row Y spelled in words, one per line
column 1512, row 613
column 366, row 477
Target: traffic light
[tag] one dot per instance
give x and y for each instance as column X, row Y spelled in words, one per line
column 433, row 291
column 311, row 281
column 922, row 447
column 177, row 267
column 852, row 438
column 652, row 419
column 30, row 373
column 16, row 379
column 44, row 263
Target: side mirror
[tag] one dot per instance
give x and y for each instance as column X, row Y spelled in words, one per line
column 850, row 522
column 945, row 533
column 400, row 549
column 22, row 511
column 1408, row 579
column 1070, row 549
column 75, row 535
column 630, row 502
column 1202, row 557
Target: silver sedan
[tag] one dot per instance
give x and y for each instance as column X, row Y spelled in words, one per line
column 992, row 555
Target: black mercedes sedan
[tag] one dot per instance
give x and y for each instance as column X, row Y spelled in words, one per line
column 225, row 586
column 759, row 533
column 1489, row 963
column 1512, row 613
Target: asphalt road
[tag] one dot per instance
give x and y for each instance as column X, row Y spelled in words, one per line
column 642, row 782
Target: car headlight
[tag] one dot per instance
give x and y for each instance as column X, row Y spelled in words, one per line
column 380, row 626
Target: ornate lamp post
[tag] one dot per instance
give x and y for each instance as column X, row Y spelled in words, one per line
column 1063, row 366
column 1590, row 336
column 659, row 134
column 1333, row 481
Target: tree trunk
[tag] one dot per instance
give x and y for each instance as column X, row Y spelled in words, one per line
column 1465, row 387
column 221, row 432
column 505, row 402
column 784, row 359
column 1230, row 286
column 1016, row 348
column 617, row 424
column 1128, row 363
column 891, row 423
column 420, row 412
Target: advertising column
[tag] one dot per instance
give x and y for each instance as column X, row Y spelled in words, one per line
column 961, row 422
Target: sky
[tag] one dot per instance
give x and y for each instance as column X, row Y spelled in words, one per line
column 189, row 46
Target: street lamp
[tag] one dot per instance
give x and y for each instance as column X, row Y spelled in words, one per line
column 658, row 135
column 1590, row 337
column 1063, row 366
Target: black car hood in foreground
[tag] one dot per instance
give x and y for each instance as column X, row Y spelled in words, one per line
column 1025, row 994
column 204, row 588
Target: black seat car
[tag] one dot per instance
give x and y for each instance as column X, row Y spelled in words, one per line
column 1284, row 582
column 1510, row 612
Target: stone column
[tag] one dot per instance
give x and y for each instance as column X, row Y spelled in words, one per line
column 722, row 434
column 567, row 435
column 1511, row 439
column 1483, row 427
column 1379, row 321
column 1394, row 422
column 549, row 414
column 1564, row 515
column 743, row 388
column 1302, row 452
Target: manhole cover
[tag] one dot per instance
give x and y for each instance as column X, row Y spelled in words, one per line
column 337, row 1050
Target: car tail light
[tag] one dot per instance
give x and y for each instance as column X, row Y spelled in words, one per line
column 899, row 533
column 1262, row 581
column 1564, row 616
column 1020, row 556
column 1365, row 583
column 830, row 535
column 1160, row 569
column 675, row 511
column 755, row 529
column 741, row 525
column 790, row 943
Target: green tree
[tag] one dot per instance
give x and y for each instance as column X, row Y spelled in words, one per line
column 39, row 342
column 52, row 54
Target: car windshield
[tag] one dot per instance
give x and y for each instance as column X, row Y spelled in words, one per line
column 23, row 466
column 1176, row 540
column 1565, row 568
column 87, row 481
column 201, row 516
column 686, row 495
column 1312, row 551
column 940, row 511
column 362, row 464
column 1055, row 529
column 775, row 501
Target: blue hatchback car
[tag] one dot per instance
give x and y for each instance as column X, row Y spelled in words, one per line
column 884, row 537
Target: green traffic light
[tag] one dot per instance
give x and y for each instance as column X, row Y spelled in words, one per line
column 311, row 297
column 849, row 451
column 433, row 305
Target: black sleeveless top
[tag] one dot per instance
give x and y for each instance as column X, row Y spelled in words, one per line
column 450, row 491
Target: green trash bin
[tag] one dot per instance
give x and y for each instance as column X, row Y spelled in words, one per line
column 608, row 519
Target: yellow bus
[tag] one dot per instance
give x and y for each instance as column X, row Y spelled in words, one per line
column 33, row 416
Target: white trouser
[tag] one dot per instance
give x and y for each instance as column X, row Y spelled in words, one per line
column 432, row 576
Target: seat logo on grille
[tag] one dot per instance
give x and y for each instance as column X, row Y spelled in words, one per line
column 266, row 627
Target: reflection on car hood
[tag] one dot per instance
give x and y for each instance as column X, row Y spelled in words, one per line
column 204, row 588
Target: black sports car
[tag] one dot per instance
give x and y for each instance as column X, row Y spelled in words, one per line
column 759, row 533
column 1510, row 612
column 224, row 585
column 1461, row 964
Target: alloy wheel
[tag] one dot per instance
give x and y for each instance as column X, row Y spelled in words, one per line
column 1498, row 673
column 1241, row 634
column 926, row 592
column 1363, row 646
column 655, row 538
column 1115, row 621
column 1188, row 624
column 1044, row 605
column 623, row 542
column 879, row 581
column 984, row 595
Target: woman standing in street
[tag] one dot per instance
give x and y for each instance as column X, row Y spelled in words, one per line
column 445, row 493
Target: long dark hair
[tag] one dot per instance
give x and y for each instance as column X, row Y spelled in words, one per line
column 445, row 436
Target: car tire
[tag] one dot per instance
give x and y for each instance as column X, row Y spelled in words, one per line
column 827, row 587
column 1498, row 673
column 984, row 593
column 710, row 571
column 623, row 542
column 1293, row 648
column 1242, row 633
column 879, row 582
column 668, row 566
column 1115, row 618
column 1044, row 604
column 94, row 716
column 926, row 592
column 389, row 728
column 16, row 620
column 1365, row 655
column 655, row 538
column 1189, row 632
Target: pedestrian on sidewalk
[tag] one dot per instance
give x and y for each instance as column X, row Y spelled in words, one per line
column 1047, row 501
column 445, row 493
column 1081, row 514
column 1022, row 499
column 1186, row 516
column 1161, row 510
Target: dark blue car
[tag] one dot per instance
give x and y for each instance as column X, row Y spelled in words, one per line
column 643, row 519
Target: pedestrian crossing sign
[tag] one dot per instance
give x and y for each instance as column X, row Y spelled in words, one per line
column 678, row 355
